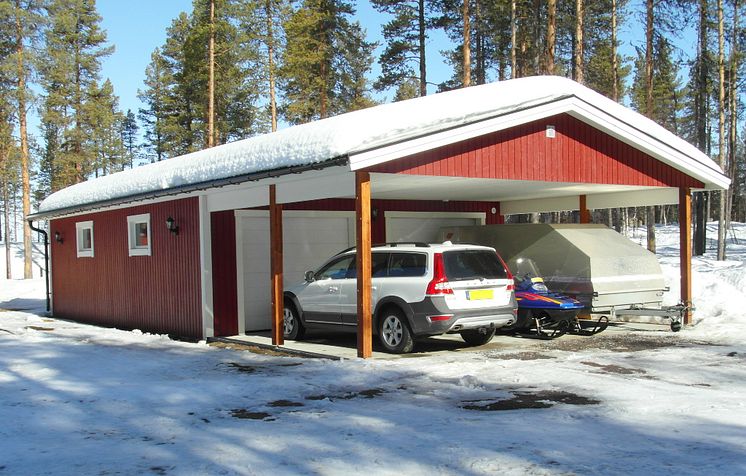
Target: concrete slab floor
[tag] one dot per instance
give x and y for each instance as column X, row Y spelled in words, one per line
column 343, row 345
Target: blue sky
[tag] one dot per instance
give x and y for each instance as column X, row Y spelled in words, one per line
column 137, row 27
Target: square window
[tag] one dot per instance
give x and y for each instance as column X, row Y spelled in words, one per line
column 84, row 239
column 138, row 234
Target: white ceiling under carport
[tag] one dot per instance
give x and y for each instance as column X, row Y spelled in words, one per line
column 515, row 196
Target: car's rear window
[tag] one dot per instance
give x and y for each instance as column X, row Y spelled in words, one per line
column 473, row 264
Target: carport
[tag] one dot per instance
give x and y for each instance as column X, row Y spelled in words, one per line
column 538, row 144
column 245, row 217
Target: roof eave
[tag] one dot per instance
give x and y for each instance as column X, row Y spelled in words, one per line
column 188, row 188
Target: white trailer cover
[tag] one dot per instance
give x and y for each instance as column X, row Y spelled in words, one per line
column 592, row 262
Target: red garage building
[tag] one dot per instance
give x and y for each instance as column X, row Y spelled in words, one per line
column 194, row 246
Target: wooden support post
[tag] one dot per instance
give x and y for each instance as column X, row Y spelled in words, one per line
column 275, row 253
column 362, row 229
column 585, row 214
column 685, row 245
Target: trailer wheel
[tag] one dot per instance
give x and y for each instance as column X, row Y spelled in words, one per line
column 675, row 326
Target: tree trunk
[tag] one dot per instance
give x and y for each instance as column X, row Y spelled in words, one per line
column 551, row 34
column 513, row 35
column 733, row 136
column 480, row 54
column 578, row 53
column 421, row 46
column 23, row 131
column 271, row 64
column 614, row 62
column 721, row 128
column 6, row 217
column 700, row 107
column 650, row 222
column 467, row 45
column 211, row 80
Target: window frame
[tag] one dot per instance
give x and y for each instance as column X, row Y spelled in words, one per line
column 133, row 248
column 80, row 227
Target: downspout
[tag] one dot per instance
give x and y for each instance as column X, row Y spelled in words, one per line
column 46, row 257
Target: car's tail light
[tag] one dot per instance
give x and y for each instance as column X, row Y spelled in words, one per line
column 444, row 317
column 439, row 284
column 511, row 286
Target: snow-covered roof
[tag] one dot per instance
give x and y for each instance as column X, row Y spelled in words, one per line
column 356, row 133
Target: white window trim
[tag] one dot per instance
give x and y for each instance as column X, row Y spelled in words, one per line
column 79, row 227
column 133, row 249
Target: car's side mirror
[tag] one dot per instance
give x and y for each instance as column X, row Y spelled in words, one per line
column 310, row 276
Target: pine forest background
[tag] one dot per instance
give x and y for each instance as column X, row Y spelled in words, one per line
column 232, row 69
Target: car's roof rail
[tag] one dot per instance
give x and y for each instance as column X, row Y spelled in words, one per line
column 393, row 244
column 416, row 244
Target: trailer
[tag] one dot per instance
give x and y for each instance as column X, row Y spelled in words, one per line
column 609, row 274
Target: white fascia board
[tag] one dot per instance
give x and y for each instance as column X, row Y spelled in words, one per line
column 709, row 174
column 632, row 198
column 553, row 204
column 336, row 182
column 636, row 198
column 239, row 197
column 370, row 158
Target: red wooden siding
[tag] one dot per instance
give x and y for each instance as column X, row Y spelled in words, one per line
column 578, row 153
column 224, row 297
column 157, row 293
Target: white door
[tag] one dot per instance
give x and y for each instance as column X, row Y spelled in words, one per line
column 425, row 226
column 309, row 239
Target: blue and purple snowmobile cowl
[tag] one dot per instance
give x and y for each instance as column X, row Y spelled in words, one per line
column 541, row 312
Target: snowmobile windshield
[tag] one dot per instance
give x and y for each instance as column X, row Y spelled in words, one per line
column 525, row 268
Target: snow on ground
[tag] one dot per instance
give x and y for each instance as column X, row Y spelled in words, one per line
column 78, row 399
column 16, row 260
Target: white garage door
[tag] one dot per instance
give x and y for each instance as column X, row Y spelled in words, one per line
column 425, row 226
column 309, row 238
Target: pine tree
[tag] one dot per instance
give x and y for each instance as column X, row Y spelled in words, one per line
column 325, row 62
column 177, row 86
column 403, row 59
column 261, row 25
column 667, row 94
column 74, row 50
column 604, row 68
column 157, row 99
column 21, row 23
column 103, row 121
column 129, row 134
column 490, row 40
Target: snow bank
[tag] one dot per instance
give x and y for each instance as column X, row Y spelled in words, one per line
column 352, row 132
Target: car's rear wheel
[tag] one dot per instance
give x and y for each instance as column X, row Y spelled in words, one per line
column 291, row 326
column 393, row 332
column 476, row 337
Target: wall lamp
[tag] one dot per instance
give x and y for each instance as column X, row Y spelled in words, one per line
column 58, row 237
column 374, row 213
column 172, row 226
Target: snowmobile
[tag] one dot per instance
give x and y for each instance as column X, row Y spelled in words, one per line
column 545, row 314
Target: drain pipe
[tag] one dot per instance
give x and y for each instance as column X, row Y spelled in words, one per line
column 46, row 257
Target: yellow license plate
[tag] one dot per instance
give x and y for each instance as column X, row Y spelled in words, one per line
column 479, row 294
